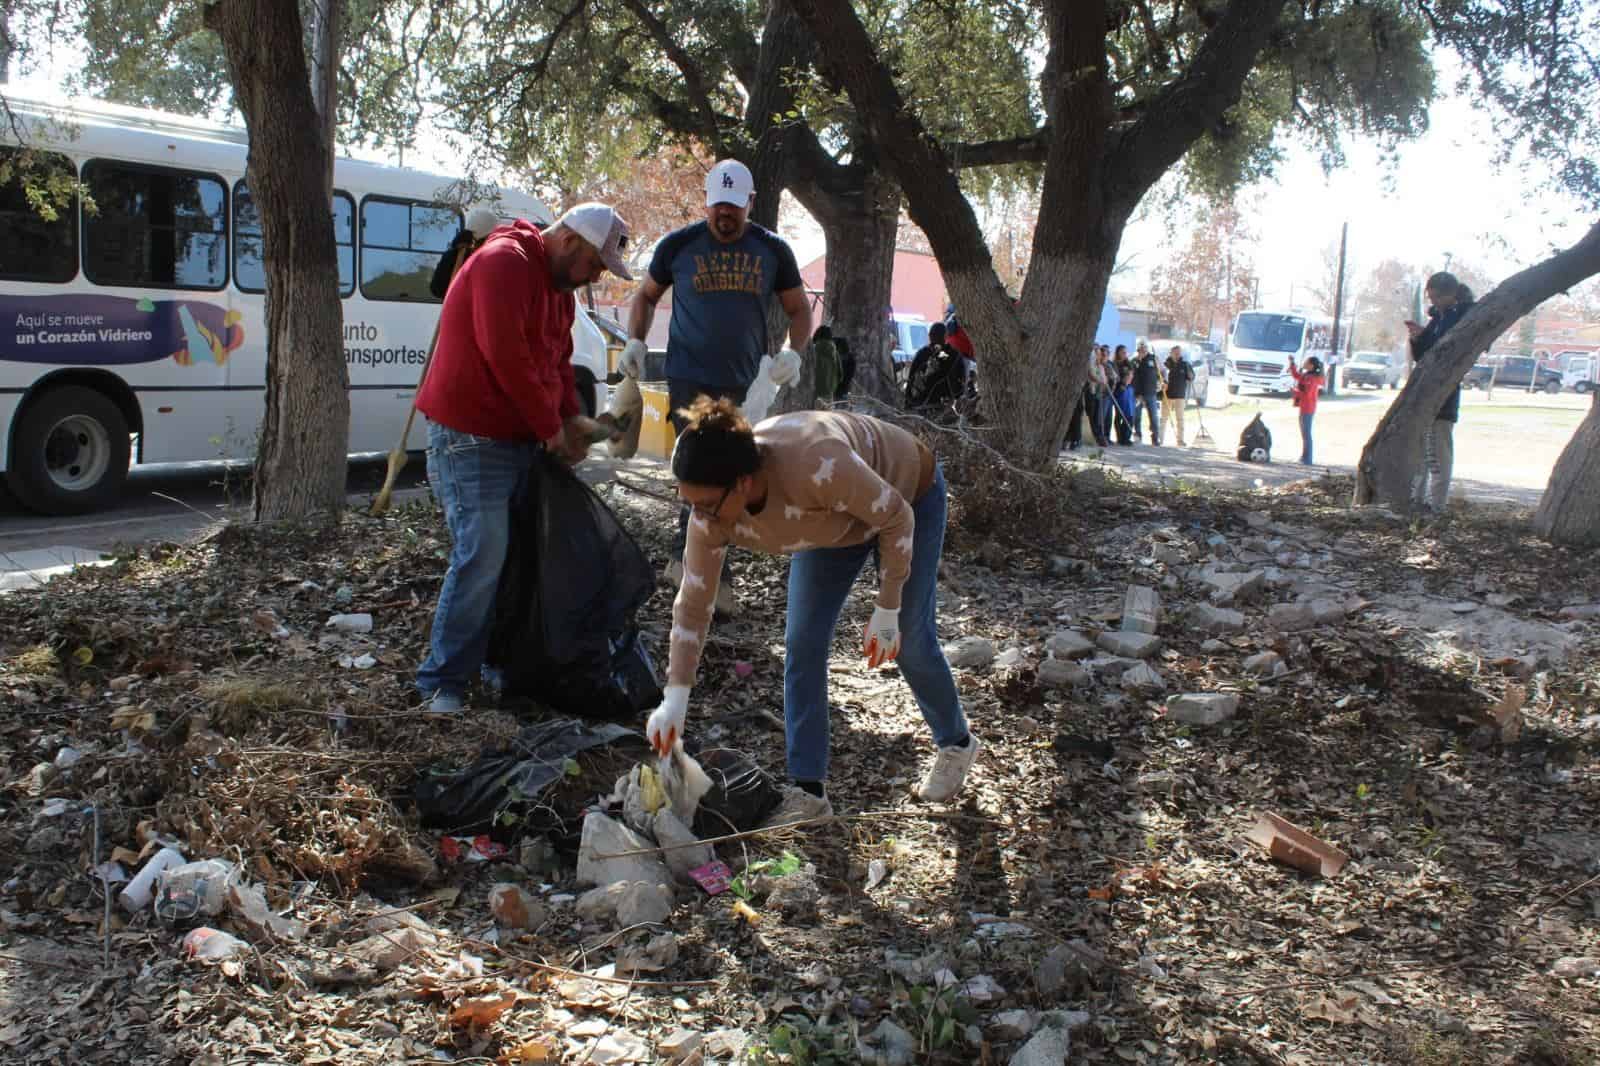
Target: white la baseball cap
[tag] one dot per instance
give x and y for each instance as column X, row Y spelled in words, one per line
column 602, row 227
column 730, row 182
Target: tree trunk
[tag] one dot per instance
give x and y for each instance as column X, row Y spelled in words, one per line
column 300, row 459
column 860, row 230
column 1569, row 513
column 1393, row 454
column 1033, row 357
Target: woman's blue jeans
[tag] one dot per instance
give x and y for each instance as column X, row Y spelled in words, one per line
column 819, row 581
column 475, row 479
column 1305, row 437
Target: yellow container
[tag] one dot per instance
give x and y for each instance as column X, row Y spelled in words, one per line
column 656, row 436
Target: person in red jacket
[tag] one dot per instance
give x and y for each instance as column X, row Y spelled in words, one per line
column 1307, row 383
column 501, row 385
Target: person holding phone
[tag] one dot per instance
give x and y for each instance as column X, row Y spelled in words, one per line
column 1448, row 300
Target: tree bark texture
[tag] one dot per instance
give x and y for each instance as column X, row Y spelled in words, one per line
column 1569, row 511
column 1033, row 356
column 860, row 232
column 1393, row 454
column 301, row 455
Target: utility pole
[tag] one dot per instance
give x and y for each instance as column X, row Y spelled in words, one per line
column 1338, row 305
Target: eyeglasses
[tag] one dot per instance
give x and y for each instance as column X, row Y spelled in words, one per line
column 711, row 512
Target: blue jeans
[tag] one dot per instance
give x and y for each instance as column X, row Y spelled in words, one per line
column 475, row 479
column 1305, row 437
column 1151, row 405
column 819, row 581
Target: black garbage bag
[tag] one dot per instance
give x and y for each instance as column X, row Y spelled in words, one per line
column 564, row 631
column 1255, row 443
column 741, row 796
column 514, row 781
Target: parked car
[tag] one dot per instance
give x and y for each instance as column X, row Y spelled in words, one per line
column 910, row 334
column 1374, row 370
column 1514, row 372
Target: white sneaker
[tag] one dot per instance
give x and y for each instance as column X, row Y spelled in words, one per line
column 673, row 574
column 949, row 771
column 798, row 806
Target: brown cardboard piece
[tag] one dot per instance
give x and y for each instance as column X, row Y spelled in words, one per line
column 1293, row 846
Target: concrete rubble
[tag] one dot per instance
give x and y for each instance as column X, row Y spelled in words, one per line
column 1203, row 708
column 1069, row 644
column 1141, row 610
column 970, row 653
column 1129, row 645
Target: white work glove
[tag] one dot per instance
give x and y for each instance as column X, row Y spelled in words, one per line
column 785, row 368
column 883, row 636
column 631, row 361
column 665, row 727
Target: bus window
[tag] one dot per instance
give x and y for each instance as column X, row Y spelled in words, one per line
column 154, row 228
column 401, row 241
column 31, row 248
column 248, row 273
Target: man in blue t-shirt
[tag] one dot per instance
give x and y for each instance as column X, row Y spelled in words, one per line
column 723, row 273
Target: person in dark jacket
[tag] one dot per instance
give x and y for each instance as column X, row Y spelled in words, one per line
column 937, row 373
column 1179, row 374
column 480, row 223
column 1448, row 300
column 1147, row 392
column 847, row 367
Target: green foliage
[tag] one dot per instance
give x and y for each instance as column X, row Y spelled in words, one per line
column 799, row 1041
column 782, row 866
column 48, row 186
column 936, row 1016
column 153, row 53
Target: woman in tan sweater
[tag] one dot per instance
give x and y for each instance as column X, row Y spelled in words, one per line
column 827, row 487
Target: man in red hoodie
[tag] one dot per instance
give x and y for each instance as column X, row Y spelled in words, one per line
column 500, row 386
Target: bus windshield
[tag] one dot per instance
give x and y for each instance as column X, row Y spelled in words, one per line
column 1268, row 333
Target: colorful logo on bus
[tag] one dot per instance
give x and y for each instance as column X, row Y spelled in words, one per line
column 93, row 330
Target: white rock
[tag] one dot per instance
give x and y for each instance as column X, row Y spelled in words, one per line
column 1132, row 645
column 982, row 990
column 392, row 948
column 888, row 1045
column 1049, row 1047
column 653, row 956
column 1575, row 967
column 1143, row 678
column 1069, row 644
column 1213, row 646
column 1227, row 588
column 1207, row 620
column 1062, row 673
column 1290, row 617
column 600, row 904
column 1011, row 1025
column 1577, row 612
column 1170, row 554
column 679, row 846
column 970, row 653
column 1265, row 664
column 1008, row 659
column 915, row 969
column 644, row 903
column 1111, row 666
column 351, row 623
column 1141, row 610
column 1203, row 708
column 607, row 836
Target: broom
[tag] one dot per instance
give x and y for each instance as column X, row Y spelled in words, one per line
column 397, row 454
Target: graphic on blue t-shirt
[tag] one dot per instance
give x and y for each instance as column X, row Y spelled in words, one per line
column 720, row 296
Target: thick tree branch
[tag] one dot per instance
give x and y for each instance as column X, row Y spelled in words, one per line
column 1028, row 148
column 694, row 78
column 1183, row 111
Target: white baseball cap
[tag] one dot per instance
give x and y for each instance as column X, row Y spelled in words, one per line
column 730, row 182
column 481, row 221
column 604, row 229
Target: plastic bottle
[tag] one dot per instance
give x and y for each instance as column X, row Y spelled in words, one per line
column 137, row 894
column 195, row 888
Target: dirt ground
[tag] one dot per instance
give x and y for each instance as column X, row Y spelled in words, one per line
column 1505, row 447
column 1437, row 722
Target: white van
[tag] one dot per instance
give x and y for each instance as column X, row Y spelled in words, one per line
column 910, row 337
column 136, row 331
column 1263, row 342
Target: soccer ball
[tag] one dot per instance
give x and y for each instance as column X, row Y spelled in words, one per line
column 1258, row 455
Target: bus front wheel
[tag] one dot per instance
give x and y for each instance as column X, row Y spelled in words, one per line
column 70, row 452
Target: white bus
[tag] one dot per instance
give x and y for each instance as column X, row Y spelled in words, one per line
column 135, row 331
column 1263, row 342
